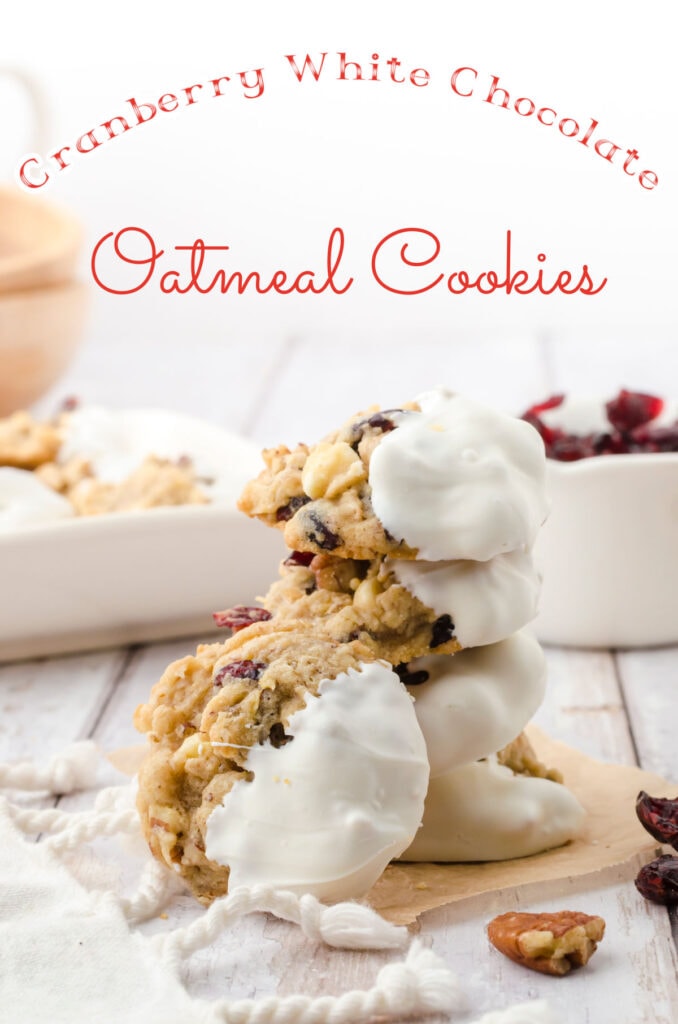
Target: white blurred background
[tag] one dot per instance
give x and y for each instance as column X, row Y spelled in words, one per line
column 271, row 176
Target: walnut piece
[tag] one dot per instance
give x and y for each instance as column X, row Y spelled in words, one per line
column 552, row 943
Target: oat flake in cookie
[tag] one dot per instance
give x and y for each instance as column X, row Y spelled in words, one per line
column 281, row 757
column 442, row 478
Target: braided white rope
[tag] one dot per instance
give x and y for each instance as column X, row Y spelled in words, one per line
column 418, row 985
column 346, row 925
column 72, row 827
column 156, row 888
column 74, row 769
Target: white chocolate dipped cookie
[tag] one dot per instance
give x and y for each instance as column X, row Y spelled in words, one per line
column 473, row 703
column 327, row 812
column 484, row 812
column 442, row 478
column 486, row 601
column 281, row 757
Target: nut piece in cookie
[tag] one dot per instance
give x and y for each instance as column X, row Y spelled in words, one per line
column 552, row 943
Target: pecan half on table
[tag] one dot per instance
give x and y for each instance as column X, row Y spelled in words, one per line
column 552, row 943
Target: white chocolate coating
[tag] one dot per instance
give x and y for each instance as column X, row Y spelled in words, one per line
column 24, row 499
column 477, row 701
column 326, row 812
column 483, row 812
column 488, row 601
column 459, row 480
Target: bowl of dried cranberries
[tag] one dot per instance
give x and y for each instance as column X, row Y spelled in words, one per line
column 609, row 551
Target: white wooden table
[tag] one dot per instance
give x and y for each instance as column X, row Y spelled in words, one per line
column 616, row 705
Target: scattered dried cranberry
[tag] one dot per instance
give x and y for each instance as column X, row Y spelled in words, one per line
column 321, row 534
column 443, row 630
column 303, row 558
column 658, row 880
column 411, row 678
column 240, row 670
column 240, row 617
column 632, row 409
column 659, row 817
column 278, row 737
column 286, row 512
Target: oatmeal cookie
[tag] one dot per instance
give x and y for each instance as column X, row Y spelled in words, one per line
column 351, row 599
column 442, row 478
column 320, row 496
column 203, row 717
column 25, row 443
column 63, row 477
column 157, row 482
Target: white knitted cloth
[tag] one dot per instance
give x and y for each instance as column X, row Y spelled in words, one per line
column 69, row 954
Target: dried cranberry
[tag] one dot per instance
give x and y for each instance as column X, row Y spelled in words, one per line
column 382, row 422
column 278, row 737
column 655, row 439
column 631, row 409
column 549, row 435
column 286, row 512
column 240, row 617
column 551, row 403
column 410, row 678
column 443, row 630
column 303, row 558
column 240, row 670
column 567, row 448
column 658, row 880
column 378, row 421
column 609, row 444
column 321, row 534
column 659, row 817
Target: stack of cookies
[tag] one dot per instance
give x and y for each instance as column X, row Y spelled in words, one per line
column 410, row 534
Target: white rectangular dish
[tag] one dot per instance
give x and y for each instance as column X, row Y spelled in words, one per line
column 71, row 582
column 83, row 583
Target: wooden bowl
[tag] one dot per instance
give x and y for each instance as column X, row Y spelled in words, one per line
column 38, row 242
column 39, row 331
